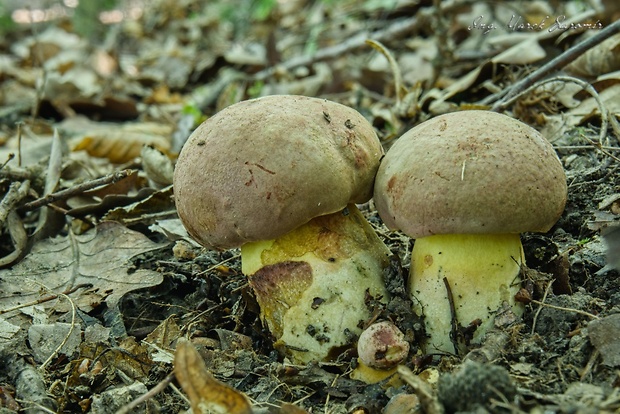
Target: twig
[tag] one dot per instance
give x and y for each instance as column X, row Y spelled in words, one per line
column 77, row 189
column 16, row 173
column 19, row 144
column 398, row 78
column 556, row 63
column 332, row 385
column 19, row 237
column 542, row 304
column 46, row 299
column 36, row 405
column 215, row 266
column 562, row 308
column 534, row 321
column 8, row 159
column 454, row 325
column 588, row 368
column 66, row 338
column 16, row 193
column 180, row 394
column 127, row 408
column 422, row 389
column 601, row 148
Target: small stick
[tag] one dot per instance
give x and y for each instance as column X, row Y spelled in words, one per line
column 454, row 327
column 47, row 298
column 535, row 320
column 541, row 304
column 77, row 189
column 66, row 338
column 588, row 368
column 15, row 173
column 148, row 395
column 562, row 308
column 16, row 193
column 207, row 270
column 19, row 144
column 8, row 159
column 556, row 63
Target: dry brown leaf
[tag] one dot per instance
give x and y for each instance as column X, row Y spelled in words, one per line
column 157, row 166
column 101, row 257
column 147, row 204
column 50, row 221
column 206, row 394
column 589, row 107
column 103, row 199
column 302, row 85
column 47, row 44
column 165, row 334
column 527, row 51
column 162, row 95
column 601, row 59
column 123, row 144
column 289, row 409
column 131, row 357
column 604, row 335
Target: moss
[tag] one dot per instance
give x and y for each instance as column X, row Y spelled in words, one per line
column 475, row 386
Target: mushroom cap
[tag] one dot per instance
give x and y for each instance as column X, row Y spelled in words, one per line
column 382, row 345
column 470, row 172
column 263, row 167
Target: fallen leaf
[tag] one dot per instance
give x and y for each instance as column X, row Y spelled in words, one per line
column 145, row 208
column 601, row 59
column 124, row 143
column 206, row 394
column 611, row 236
column 7, row 330
column 174, row 230
column 100, row 257
column 604, row 334
column 161, row 340
column 157, row 166
column 46, row 340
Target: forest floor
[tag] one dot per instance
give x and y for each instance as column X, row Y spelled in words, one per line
column 99, row 279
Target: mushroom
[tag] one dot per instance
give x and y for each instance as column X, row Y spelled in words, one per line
column 380, row 348
column 464, row 185
column 382, row 345
column 279, row 176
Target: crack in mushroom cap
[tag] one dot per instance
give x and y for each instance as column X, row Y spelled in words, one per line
column 470, row 172
column 261, row 168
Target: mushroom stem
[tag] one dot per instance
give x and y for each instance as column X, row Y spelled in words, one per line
column 313, row 283
column 482, row 271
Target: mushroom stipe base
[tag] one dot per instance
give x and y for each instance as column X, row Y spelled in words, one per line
column 482, row 271
column 312, row 284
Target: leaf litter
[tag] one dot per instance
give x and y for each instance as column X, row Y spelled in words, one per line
column 107, row 305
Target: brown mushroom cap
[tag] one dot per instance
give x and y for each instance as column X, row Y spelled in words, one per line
column 470, row 172
column 261, row 168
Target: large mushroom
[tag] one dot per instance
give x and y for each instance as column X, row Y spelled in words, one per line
column 280, row 176
column 464, row 185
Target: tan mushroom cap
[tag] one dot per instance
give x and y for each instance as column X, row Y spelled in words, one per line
column 470, row 172
column 261, row 168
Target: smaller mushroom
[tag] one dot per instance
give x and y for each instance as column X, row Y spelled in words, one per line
column 464, row 185
column 382, row 345
column 380, row 348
